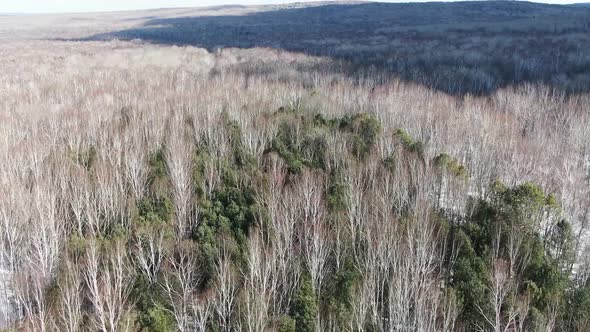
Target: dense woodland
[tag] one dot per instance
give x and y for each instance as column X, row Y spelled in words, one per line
column 248, row 195
column 162, row 188
column 474, row 47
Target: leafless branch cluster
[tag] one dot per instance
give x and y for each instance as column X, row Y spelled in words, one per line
column 86, row 155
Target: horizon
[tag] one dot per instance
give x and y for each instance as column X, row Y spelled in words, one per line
column 73, row 6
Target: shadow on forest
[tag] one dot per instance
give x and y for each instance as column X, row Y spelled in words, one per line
column 458, row 48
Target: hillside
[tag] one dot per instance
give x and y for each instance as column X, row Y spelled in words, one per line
column 333, row 167
column 462, row 47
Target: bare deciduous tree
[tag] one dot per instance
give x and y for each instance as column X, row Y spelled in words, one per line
column 225, row 291
column 108, row 277
column 151, row 242
column 179, row 159
column 258, row 289
column 315, row 235
column 180, row 283
column 70, row 311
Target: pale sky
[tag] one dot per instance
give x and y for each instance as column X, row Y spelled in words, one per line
column 52, row 6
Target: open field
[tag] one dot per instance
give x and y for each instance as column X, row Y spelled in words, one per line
column 325, row 167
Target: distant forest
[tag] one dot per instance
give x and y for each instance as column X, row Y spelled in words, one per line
column 473, row 47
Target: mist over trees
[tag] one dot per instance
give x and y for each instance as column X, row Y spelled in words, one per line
column 164, row 188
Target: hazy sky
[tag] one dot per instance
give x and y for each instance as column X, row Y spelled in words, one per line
column 44, row 6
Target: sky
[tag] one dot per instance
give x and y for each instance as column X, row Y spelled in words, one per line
column 53, row 6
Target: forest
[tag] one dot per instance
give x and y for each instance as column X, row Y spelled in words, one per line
column 174, row 188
